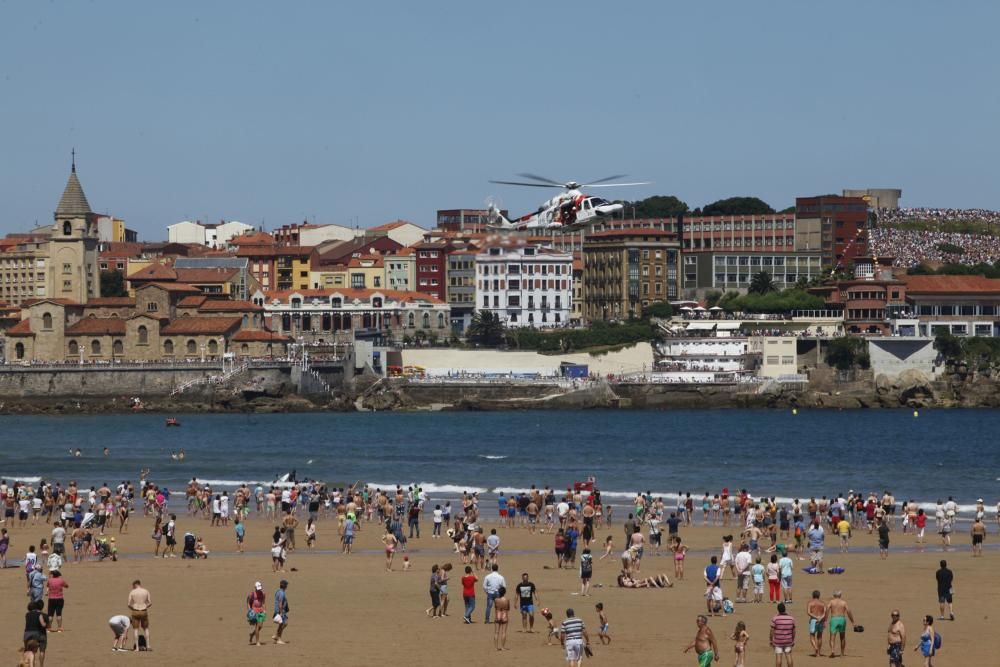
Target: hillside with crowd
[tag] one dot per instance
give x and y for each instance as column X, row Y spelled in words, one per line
column 915, row 235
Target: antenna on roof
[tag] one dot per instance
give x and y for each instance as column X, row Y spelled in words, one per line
column 73, row 158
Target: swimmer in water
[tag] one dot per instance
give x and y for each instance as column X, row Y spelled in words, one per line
column 107, row 452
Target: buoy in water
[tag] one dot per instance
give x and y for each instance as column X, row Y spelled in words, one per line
column 916, row 413
column 795, row 411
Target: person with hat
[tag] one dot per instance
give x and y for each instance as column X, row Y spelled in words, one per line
column 36, row 582
column 255, row 612
column 280, row 611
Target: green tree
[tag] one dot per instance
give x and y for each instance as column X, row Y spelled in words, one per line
column 950, row 248
column 712, row 298
column 113, row 283
column 657, row 206
column 486, row 328
column 737, row 206
column 846, row 352
column 949, row 346
column 761, row 283
column 660, row 309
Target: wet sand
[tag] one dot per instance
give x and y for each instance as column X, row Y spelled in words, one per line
column 347, row 610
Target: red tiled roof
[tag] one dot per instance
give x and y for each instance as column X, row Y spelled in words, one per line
column 252, row 239
column 97, row 326
column 201, row 325
column 192, row 301
column 205, row 275
column 951, row 284
column 154, row 272
column 172, row 287
column 22, row 328
column 227, row 306
column 358, row 262
column 294, row 250
column 97, row 302
column 248, row 335
column 389, row 226
column 61, row 302
column 256, row 251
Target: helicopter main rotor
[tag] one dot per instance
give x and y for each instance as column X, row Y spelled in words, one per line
column 544, row 182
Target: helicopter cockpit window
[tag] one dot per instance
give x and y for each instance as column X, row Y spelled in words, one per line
column 597, row 201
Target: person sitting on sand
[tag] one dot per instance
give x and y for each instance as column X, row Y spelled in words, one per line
column 200, row 550
column 659, row 581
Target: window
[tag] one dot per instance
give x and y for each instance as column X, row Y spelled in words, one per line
column 67, row 286
column 440, row 320
column 95, row 346
column 192, row 347
column 67, row 269
column 358, row 280
column 74, row 348
column 47, row 321
column 213, row 347
column 67, row 228
column 151, row 307
column 19, row 351
column 117, row 348
column 244, row 349
column 143, row 335
column 168, row 347
column 426, row 321
column 410, row 319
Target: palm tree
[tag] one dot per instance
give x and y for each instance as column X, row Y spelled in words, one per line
column 761, row 283
column 486, row 328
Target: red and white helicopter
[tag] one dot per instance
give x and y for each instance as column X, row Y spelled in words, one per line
column 569, row 210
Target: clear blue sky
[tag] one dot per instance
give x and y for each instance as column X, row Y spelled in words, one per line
column 280, row 111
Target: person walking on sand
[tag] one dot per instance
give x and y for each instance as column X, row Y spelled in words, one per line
column 945, row 580
column 927, row 641
column 838, row 612
column 255, row 612
column 782, row 637
column 56, row 585
column 703, row 643
column 896, row 639
column 280, row 611
column 740, row 637
column 978, row 532
column 527, row 599
column 574, row 638
column 816, row 609
column 139, row 601
column 501, row 607
column 389, row 540
column 469, row 593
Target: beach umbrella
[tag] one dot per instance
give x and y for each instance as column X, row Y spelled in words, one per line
column 699, row 309
column 715, row 308
column 686, row 308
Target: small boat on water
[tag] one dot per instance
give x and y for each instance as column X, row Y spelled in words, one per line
column 172, row 421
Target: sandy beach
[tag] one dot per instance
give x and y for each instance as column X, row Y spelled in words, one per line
column 348, row 610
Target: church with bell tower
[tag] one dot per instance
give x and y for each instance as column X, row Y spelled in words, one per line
column 73, row 271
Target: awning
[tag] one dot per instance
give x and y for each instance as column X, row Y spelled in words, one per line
column 728, row 326
column 701, row 326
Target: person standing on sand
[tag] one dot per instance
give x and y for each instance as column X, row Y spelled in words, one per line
column 574, row 638
column 713, row 575
column 896, row 639
column 56, row 585
column 838, row 612
column 139, row 602
column 281, row 611
column 256, row 615
column 290, row 523
column 492, row 584
column 926, row 643
column 527, row 599
column 945, row 581
column 703, row 643
column 978, row 533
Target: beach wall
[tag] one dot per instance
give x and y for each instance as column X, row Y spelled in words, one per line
column 441, row 361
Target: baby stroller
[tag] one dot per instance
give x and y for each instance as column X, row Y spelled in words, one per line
column 188, row 546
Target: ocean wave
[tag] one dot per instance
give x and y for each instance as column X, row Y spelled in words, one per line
column 492, row 457
column 232, row 483
column 431, row 487
column 21, row 478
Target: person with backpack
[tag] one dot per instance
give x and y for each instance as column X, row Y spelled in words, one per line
column 586, row 571
column 255, row 613
column 930, row 641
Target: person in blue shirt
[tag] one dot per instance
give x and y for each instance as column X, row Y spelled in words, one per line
column 281, row 609
column 713, row 592
column 502, row 505
column 572, row 534
column 240, row 534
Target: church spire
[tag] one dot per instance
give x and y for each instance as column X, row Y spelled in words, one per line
column 73, row 202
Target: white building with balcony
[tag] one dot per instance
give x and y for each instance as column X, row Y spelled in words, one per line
column 525, row 286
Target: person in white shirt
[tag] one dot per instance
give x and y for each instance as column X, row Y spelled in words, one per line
column 119, row 625
column 742, row 563
column 438, row 518
column 492, row 584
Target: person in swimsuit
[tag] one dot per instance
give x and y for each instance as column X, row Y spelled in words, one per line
column 501, row 607
column 704, row 643
column 389, row 540
column 926, row 645
column 740, row 636
column 838, row 612
column 680, row 551
column 602, row 633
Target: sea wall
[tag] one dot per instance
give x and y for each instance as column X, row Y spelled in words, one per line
column 441, row 361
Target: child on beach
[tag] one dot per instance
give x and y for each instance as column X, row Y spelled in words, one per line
column 553, row 630
column 240, row 534
column 740, row 636
column 609, row 545
column 311, row 533
column 602, row 618
column 680, row 551
column 4, row 545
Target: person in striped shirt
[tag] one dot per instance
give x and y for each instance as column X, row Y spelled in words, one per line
column 574, row 639
column 782, row 636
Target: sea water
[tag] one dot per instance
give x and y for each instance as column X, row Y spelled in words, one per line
column 938, row 454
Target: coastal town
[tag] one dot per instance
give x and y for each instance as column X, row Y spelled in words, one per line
column 829, row 288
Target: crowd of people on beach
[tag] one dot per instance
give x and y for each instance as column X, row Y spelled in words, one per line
column 762, row 539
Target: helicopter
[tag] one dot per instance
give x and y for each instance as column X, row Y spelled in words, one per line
column 569, row 210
